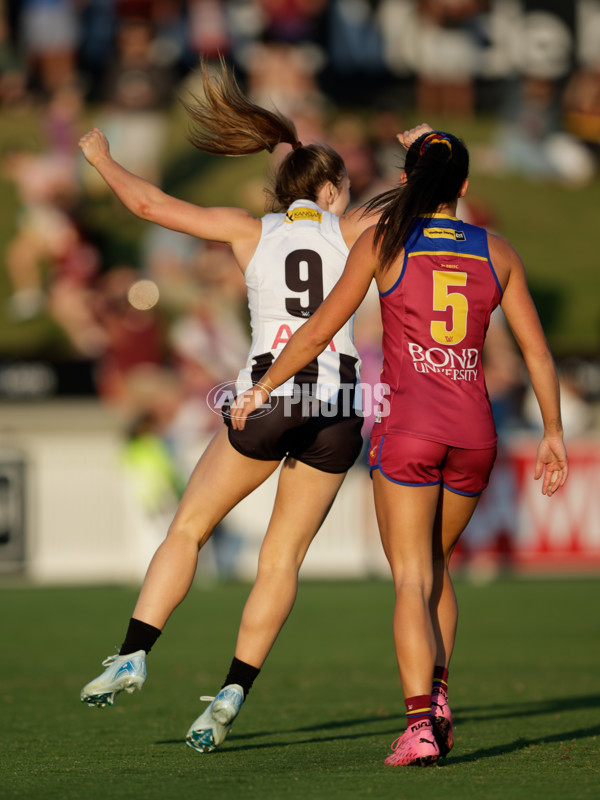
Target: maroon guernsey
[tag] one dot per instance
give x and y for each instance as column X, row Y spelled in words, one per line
column 435, row 318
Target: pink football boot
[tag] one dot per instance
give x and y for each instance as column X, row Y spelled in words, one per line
column 417, row 746
column 441, row 717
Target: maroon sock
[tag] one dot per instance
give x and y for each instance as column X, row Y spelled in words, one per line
column 440, row 678
column 418, row 707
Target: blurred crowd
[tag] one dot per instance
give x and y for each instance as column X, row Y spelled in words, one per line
column 121, row 65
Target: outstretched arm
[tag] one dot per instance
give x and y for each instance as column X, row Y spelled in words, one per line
column 316, row 333
column 149, row 202
column 519, row 309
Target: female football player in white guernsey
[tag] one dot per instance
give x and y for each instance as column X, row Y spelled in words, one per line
column 291, row 259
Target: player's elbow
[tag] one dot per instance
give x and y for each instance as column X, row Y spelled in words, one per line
column 537, row 351
column 145, row 209
column 318, row 340
column 150, row 205
column 539, row 360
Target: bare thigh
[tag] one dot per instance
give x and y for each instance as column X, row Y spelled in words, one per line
column 406, row 516
column 454, row 512
column 304, row 497
column 221, row 479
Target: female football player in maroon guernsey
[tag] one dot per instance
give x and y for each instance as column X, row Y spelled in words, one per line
column 433, row 444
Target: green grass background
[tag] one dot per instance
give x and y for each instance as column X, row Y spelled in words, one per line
column 322, row 714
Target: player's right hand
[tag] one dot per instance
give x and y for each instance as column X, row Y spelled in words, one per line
column 244, row 404
column 94, row 146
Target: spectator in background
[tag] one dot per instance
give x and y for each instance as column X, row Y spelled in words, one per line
column 52, row 267
column 293, row 21
column 387, row 117
column 135, row 91
column 348, row 135
column 577, row 411
column 281, row 75
column 581, row 106
column 209, row 34
column 13, row 70
column 50, row 37
column 134, row 337
column 50, row 263
column 505, row 374
column 445, row 81
column 135, row 79
column 97, row 21
column 531, row 141
column 62, row 123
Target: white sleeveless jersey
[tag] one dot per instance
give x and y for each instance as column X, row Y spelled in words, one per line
column 300, row 256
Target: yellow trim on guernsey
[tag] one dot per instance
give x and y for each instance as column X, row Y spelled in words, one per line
column 445, row 253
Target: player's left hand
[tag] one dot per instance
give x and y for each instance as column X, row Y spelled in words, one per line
column 245, row 403
column 551, row 463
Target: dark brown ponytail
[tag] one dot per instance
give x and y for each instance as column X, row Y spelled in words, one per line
column 436, row 166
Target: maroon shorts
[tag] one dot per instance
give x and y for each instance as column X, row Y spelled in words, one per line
column 418, row 462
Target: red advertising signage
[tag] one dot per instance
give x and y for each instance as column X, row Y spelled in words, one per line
column 516, row 527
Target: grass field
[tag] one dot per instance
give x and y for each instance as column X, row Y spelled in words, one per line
column 320, row 719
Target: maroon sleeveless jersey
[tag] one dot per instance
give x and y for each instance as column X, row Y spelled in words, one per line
column 435, row 318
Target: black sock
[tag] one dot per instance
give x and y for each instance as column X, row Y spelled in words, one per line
column 139, row 636
column 243, row 674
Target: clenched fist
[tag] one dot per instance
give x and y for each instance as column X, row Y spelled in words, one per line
column 94, row 146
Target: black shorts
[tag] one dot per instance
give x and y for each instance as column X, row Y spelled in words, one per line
column 322, row 436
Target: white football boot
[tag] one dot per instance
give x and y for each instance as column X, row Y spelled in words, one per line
column 122, row 673
column 214, row 724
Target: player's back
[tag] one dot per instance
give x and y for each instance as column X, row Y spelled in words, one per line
column 300, row 257
column 435, row 318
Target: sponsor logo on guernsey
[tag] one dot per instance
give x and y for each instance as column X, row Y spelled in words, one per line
column 444, row 233
column 457, row 364
column 303, row 213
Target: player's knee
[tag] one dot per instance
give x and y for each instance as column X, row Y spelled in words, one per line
column 279, row 566
column 187, row 529
column 414, row 582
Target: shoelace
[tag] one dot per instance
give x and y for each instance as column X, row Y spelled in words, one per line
column 396, row 743
column 206, row 698
column 110, row 660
